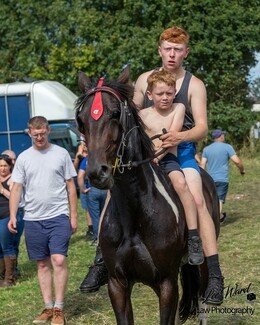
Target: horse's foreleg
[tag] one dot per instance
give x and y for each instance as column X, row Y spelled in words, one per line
column 120, row 297
column 168, row 300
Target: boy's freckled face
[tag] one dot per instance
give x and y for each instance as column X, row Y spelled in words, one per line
column 162, row 95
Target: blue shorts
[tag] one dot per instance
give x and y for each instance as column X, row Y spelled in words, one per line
column 83, row 200
column 170, row 163
column 186, row 155
column 222, row 189
column 47, row 237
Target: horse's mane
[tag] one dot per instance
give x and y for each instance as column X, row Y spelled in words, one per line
column 125, row 92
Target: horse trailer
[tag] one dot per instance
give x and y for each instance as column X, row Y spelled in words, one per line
column 20, row 101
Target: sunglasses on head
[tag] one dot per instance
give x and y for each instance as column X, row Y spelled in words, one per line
column 6, row 158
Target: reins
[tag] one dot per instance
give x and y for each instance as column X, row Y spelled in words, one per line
column 120, row 166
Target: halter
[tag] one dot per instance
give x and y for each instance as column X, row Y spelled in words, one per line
column 97, row 111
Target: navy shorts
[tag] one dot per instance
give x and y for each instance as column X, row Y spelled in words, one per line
column 170, row 163
column 47, row 237
column 222, row 189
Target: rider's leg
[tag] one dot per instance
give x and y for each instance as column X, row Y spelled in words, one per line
column 196, row 256
column 214, row 292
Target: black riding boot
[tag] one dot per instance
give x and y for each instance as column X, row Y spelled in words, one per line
column 97, row 274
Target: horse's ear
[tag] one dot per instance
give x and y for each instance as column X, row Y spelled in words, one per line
column 84, row 82
column 124, row 77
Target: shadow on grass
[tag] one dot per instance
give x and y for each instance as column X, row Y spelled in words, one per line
column 88, row 306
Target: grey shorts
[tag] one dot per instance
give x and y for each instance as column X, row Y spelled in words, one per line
column 47, row 237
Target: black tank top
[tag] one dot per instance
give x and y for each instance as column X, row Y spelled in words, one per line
column 4, row 202
column 181, row 97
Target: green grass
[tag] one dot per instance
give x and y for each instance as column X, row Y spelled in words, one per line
column 239, row 255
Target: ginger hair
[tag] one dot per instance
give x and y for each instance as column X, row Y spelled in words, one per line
column 162, row 75
column 174, row 34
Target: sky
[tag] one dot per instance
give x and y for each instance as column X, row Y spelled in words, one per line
column 255, row 72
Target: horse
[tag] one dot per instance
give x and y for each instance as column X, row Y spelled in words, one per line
column 143, row 236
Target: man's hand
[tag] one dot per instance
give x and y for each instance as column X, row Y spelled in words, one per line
column 12, row 226
column 171, row 139
column 73, row 224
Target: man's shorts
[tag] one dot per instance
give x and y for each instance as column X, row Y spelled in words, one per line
column 47, row 237
column 222, row 189
column 186, row 155
column 170, row 163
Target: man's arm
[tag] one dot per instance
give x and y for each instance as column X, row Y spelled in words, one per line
column 237, row 161
column 72, row 195
column 140, row 89
column 198, row 103
column 81, row 181
column 79, row 156
column 15, row 196
column 203, row 162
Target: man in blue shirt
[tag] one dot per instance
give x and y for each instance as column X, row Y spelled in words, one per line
column 216, row 156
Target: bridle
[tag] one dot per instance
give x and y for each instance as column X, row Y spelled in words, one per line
column 97, row 111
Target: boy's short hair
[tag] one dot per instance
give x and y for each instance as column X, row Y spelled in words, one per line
column 162, row 75
column 174, row 34
column 37, row 122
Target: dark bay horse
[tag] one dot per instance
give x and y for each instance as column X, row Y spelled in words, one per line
column 143, row 235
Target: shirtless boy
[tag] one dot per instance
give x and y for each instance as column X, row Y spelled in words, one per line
column 164, row 114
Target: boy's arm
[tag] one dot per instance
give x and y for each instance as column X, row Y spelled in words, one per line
column 176, row 125
column 178, row 118
column 198, row 102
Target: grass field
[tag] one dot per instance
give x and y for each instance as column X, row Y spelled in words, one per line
column 239, row 254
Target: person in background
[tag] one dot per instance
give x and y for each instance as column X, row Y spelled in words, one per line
column 46, row 173
column 8, row 256
column 19, row 217
column 96, row 199
column 81, row 154
column 215, row 158
column 190, row 91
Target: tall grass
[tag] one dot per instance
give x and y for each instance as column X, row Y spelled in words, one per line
column 239, row 255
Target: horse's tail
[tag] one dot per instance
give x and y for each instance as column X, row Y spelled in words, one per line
column 190, row 281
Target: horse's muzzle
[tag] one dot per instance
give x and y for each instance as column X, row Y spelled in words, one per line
column 101, row 177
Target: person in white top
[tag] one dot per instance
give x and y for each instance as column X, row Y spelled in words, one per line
column 46, row 172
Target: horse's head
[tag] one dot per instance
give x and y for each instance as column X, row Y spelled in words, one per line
column 109, row 120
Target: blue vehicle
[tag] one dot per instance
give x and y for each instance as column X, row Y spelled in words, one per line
column 20, row 101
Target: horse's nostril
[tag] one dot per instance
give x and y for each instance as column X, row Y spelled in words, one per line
column 104, row 170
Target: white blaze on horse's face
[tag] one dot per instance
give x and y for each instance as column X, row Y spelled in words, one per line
column 164, row 193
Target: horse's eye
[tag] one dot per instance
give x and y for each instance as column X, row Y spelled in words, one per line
column 115, row 115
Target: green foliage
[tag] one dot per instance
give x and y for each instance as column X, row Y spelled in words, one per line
column 235, row 120
column 55, row 39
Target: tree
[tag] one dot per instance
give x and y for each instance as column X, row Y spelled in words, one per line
column 54, row 39
column 254, row 88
